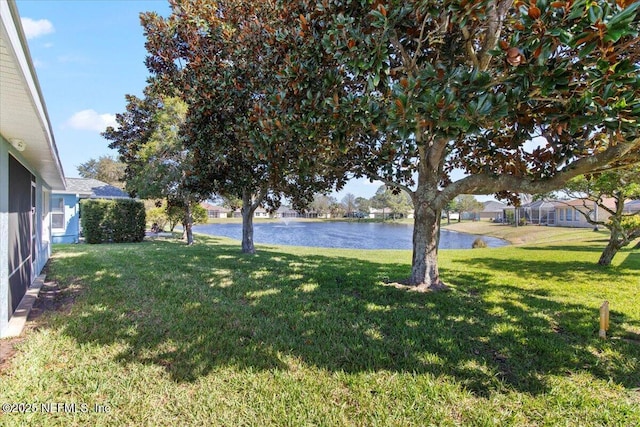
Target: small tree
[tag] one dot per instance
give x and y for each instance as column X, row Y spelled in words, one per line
column 157, row 215
column 448, row 208
column 349, row 203
column 105, row 169
column 594, row 190
column 467, row 203
column 323, row 204
column 336, row 210
column 149, row 141
column 175, row 215
column 363, row 205
column 231, row 202
column 381, row 200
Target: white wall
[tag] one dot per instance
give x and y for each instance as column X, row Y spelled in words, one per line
column 4, row 234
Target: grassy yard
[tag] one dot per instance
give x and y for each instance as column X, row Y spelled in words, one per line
column 164, row 334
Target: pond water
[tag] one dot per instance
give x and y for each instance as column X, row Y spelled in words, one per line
column 350, row 235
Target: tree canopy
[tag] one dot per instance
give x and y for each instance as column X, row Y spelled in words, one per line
column 105, row 169
column 223, row 58
column 423, row 89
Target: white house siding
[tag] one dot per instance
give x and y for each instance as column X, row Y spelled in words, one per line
column 4, row 236
column 569, row 216
column 632, row 207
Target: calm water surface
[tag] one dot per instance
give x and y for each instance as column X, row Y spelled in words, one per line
column 350, row 235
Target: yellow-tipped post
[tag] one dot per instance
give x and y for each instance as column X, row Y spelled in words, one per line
column 604, row 319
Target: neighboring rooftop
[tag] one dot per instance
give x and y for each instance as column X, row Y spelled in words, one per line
column 94, row 189
column 493, row 206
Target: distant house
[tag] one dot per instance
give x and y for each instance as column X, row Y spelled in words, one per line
column 258, row 213
column 30, row 169
column 493, row 211
column 287, row 212
column 387, row 213
column 65, row 206
column 450, row 216
column 214, row 211
column 571, row 212
column 632, row 207
column 380, row 213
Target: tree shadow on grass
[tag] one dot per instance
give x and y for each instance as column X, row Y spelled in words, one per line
column 192, row 310
column 631, row 261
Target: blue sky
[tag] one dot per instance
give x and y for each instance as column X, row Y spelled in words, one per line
column 88, row 54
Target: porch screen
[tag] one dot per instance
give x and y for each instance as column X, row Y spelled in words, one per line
column 19, row 232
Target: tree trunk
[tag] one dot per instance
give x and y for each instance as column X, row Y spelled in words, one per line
column 247, row 224
column 426, row 236
column 609, row 252
column 188, row 223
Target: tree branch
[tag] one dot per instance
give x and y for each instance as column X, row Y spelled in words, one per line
column 495, row 16
column 420, row 40
column 406, row 59
column 469, row 46
column 391, row 183
column 486, row 183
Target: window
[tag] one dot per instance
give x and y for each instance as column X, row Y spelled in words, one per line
column 561, row 214
column 57, row 212
column 46, row 197
column 569, row 214
column 33, row 208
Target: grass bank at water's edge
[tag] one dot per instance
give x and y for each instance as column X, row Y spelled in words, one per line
column 166, row 334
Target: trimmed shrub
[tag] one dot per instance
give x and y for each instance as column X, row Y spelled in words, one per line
column 92, row 212
column 115, row 221
column 479, row 243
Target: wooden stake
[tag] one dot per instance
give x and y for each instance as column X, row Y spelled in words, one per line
column 604, row 319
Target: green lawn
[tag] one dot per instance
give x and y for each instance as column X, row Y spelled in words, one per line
column 164, row 334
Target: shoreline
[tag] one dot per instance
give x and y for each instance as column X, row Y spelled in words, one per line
column 515, row 236
column 526, row 234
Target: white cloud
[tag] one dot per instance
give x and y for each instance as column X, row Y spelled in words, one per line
column 72, row 58
column 33, row 28
column 91, row 120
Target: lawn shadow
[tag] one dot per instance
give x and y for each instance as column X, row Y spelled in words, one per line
column 194, row 309
column 631, row 261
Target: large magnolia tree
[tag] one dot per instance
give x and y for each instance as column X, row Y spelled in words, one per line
column 426, row 91
column 223, row 58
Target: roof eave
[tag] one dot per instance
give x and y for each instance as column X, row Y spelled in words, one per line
column 21, row 88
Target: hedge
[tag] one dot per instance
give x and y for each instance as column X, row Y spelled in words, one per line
column 113, row 221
